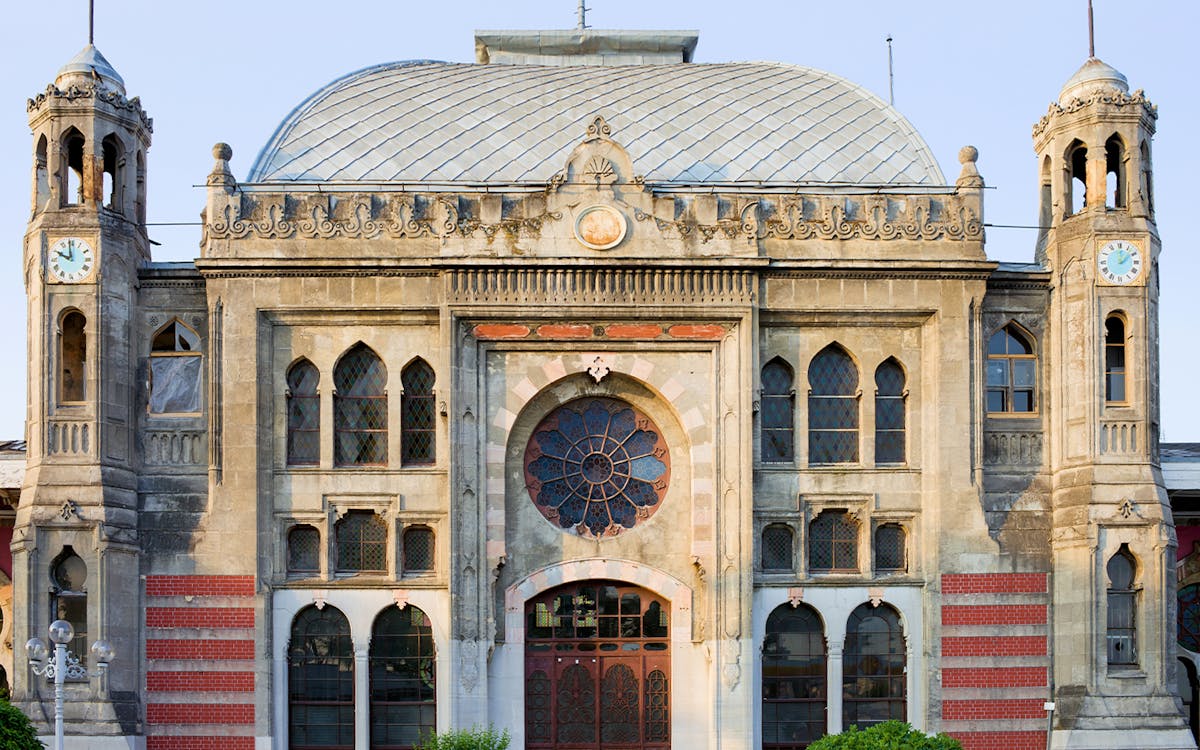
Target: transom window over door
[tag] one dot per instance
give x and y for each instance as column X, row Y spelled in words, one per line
column 597, row 669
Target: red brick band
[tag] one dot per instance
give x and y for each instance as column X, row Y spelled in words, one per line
column 199, row 617
column 986, row 645
column 199, row 585
column 974, row 710
column 200, row 682
column 199, row 649
column 199, row 713
column 199, row 743
column 993, row 583
column 995, row 677
column 994, row 614
column 1001, row 740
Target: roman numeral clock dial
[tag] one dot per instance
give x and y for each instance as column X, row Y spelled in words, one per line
column 1119, row 262
column 71, row 260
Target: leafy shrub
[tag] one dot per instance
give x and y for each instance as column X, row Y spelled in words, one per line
column 16, row 731
column 890, row 735
column 465, row 739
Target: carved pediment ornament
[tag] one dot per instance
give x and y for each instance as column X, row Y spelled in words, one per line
column 599, row 368
column 600, row 227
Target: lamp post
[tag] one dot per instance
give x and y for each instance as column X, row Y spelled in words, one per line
column 63, row 666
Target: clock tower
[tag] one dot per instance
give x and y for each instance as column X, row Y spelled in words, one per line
column 75, row 550
column 1113, row 546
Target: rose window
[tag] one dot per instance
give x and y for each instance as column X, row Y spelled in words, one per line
column 597, row 466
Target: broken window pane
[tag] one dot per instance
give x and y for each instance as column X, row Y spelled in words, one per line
column 174, row 385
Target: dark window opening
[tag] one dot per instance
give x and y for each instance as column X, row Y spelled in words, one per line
column 304, row 550
column 69, row 599
column 71, row 175
column 417, row 544
column 360, row 409
column 304, row 414
column 889, row 413
column 832, row 407
column 890, row 548
column 73, row 370
column 833, row 543
column 41, row 174
column 1114, row 159
column 794, row 681
column 361, row 543
column 777, row 412
column 874, row 667
column 1122, row 610
column 417, row 427
column 1114, row 360
column 403, row 679
column 320, row 681
column 777, row 542
column 1076, row 178
column 113, row 165
column 1011, row 372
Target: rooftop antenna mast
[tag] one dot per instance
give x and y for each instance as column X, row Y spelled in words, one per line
column 1091, row 32
column 891, row 78
column 582, row 12
column 91, row 21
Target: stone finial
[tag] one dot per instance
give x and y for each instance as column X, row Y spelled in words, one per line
column 969, row 177
column 221, row 176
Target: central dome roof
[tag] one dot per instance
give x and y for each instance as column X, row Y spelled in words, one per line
column 686, row 123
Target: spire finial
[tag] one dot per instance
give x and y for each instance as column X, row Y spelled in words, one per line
column 1091, row 32
column 582, row 13
column 91, row 21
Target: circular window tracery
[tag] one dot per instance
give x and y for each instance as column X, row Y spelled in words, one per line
column 597, row 466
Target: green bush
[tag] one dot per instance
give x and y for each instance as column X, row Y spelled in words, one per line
column 16, row 731
column 890, row 735
column 465, row 739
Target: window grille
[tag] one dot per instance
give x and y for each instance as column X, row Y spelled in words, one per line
column 777, row 412
column 418, row 549
column 833, row 542
column 361, row 543
column 889, row 413
column 304, row 550
column 304, row 414
column 360, row 409
column 777, row 547
column 321, row 680
column 1122, row 610
column 417, row 436
column 1011, row 372
column 832, row 408
column 402, row 678
column 890, row 548
column 874, row 667
column 794, row 682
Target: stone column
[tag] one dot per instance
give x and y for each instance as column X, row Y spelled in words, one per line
column 362, row 699
column 833, row 687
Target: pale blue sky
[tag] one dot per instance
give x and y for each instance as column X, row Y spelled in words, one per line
column 966, row 72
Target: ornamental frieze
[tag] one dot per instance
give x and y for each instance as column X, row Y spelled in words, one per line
column 1110, row 97
column 72, row 93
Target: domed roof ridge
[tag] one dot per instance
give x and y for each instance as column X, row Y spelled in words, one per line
column 1093, row 75
column 90, row 65
column 684, row 123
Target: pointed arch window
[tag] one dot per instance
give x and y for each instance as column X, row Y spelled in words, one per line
column 1011, row 372
column 889, row 413
column 1076, row 182
column 794, row 682
column 73, row 358
column 320, row 681
column 777, row 544
column 833, row 543
column 403, row 678
column 69, row 599
column 41, row 174
column 1114, row 360
column 304, row 414
column 832, row 407
column 874, row 667
column 417, row 436
column 1114, row 169
column 70, row 171
column 777, row 412
column 1122, row 609
column 113, row 165
column 360, row 408
column 175, row 370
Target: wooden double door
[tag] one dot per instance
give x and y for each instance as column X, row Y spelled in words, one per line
column 597, row 669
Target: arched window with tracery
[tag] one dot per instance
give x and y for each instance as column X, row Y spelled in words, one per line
column 417, row 435
column 874, row 661
column 403, row 679
column 304, row 414
column 69, row 599
column 889, row 413
column 1122, row 610
column 175, row 370
column 777, row 412
column 794, row 680
column 360, row 408
column 833, row 543
column 1011, row 372
column 832, row 407
column 1114, row 360
column 73, row 358
column 320, row 681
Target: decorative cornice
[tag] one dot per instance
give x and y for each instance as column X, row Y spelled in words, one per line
column 585, row 286
column 72, row 93
column 878, row 218
column 1111, row 97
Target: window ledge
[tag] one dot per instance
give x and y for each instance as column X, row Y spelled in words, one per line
column 1130, row 673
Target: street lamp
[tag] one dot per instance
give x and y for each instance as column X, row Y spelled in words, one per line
column 64, row 665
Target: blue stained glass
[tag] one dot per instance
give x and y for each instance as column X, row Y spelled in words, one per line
column 570, row 424
column 641, row 443
column 595, row 419
column 640, row 493
column 621, row 468
column 570, row 513
column 552, row 442
column 623, row 424
column 554, row 493
column 597, row 518
column 648, row 468
column 546, row 468
column 623, row 513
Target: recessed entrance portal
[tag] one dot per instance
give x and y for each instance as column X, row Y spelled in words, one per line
column 597, row 669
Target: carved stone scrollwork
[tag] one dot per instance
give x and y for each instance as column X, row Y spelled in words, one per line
column 1110, row 97
column 99, row 93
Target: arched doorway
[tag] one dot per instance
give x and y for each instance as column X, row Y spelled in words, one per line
column 597, row 668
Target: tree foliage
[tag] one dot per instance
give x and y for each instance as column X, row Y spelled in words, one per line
column 16, row 731
column 890, row 735
column 466, row 739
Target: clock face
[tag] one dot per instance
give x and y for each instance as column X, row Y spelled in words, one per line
column 71, row 260
column 1119, row 262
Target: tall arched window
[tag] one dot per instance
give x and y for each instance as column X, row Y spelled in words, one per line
column 1122, row 609
column 403, row 684
column 1114, row 159
column 794, row 684
column 1076, row 182
column 68, row 598
column 1147, row 179
column 73, row 357
column 41, row 174
column 874, row 679
column 113, row 164
column 1114, row 359
column 360, row 408
column 304, row 414
column 417, row 436
column 833, row 543
column 320, row 681
column 777, row 543
column 1011, row 372
column 777, row 412
column 832, row 407
column 889, row 413
column 175, row 370
column 70, row 174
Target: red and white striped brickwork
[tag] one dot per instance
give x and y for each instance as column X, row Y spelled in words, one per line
column 995, row 659
column 200, row 662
